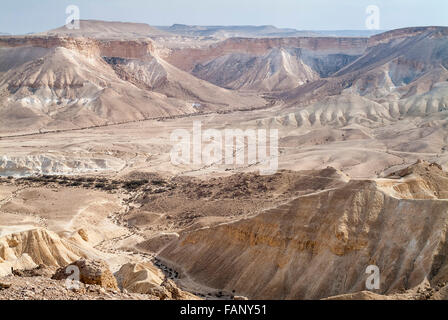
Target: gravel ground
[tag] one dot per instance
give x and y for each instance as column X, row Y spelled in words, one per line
column 43, row 288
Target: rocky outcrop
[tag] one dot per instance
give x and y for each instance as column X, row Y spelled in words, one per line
column 130, row 49
column 268, row 64
column 423, row 180
column 95, row 272
column 29, row 249
column 25, row 165
column 424, row 291
column 175, row 293
column 406, row 32
column 43, row 288
column 139, row 278
column 186, row 59
column 85, row 46
column 146, row 279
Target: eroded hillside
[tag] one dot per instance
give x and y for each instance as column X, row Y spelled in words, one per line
column 86, row 178
column 327, row 239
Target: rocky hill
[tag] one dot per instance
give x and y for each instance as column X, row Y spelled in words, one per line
column 233, row 31
column 55, row 82
column 320, row 244
column 109, row 29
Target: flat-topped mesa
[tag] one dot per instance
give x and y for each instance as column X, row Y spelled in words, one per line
column 405, row 33
column 187, row 58
column 108, row 30
column 129, row 49
column 85, row 46
column 261, row 45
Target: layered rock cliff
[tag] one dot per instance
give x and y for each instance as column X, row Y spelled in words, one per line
column 407, row 32
column 268, row 64
column 131, row 49
column 103, row 81
column 27, row 249
column 186, row 59
column 319, row 245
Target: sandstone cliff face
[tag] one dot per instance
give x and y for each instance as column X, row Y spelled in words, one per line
column 186, row 59
column 130, row 49
column 320, row 245
column 28, row 249
column 137, row 49
column 278, row 69
column 269, row 64
column 404, row 72
column 86, row 47
column 407, row 32
column 413, row 48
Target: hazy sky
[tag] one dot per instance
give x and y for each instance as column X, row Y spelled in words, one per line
column 24, row 16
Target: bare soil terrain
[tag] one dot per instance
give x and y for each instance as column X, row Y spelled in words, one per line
column 87, row 179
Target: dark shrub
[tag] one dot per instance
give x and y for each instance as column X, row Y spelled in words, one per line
column 134, row 184
column 158, row 182
column 99, row 185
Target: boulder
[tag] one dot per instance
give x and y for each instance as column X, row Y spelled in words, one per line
column 138, row 277
column 90, row 272
column 4, row 285
column 145, row 278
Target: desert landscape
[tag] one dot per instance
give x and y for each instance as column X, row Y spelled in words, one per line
column 87, row 180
